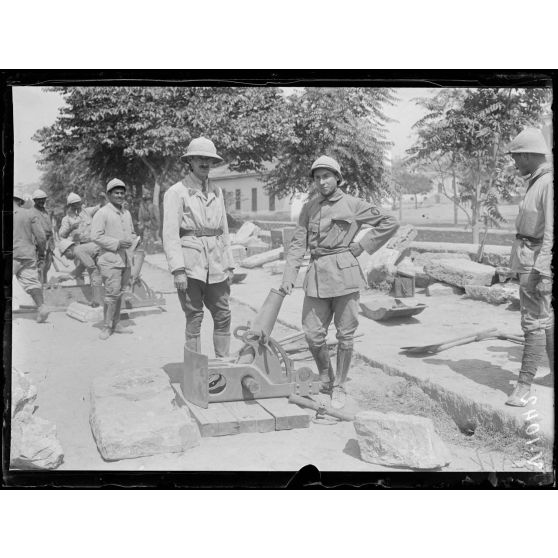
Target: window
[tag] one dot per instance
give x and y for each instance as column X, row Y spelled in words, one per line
column 271, row 202
column 237, row 200
column 254, row 199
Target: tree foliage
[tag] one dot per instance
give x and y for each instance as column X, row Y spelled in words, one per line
column 139, row 133
column 465, row 131
column 345, row 123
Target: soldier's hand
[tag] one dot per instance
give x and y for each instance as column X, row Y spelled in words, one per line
column 124, row 243
column 61, row 278
column 544, row 286
column 286, row 287
column 181, row 281
column 356, row 249
column 230, row 275
column 74, row 226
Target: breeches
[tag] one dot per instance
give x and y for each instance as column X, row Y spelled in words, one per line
column 317, row 314
column 215, row 297
column 115, row 280
column 536, row 310
column 27, row 274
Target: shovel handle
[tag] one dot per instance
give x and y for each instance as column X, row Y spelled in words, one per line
column 310, row 404
column 468, row 339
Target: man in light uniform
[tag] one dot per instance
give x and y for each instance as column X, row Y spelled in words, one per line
column 44, row 262
column 113, row 231
column 76, row 224
column 197, row 245
column 29, row 241
column 85, row 257
column 531, row 257
column 327, row 226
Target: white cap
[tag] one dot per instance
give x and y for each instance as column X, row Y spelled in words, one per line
column 115, row 183
column 72, row 198
column 530, row 140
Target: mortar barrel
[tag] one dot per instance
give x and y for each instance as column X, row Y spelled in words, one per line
column 139, row 256
column 252, row 385
column 267, row 316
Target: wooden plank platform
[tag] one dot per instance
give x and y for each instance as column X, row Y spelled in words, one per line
column 251, row 416
column 287, row 416
column 216, row 420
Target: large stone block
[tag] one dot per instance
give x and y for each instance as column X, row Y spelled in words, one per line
column 402, row 239
column 424, row 258
column 396, row 440
column 460, row 272
column 380, row 269
column 258, row 260
column 134, row 413
column 34, row 444
column 496, row 294
column 441, row 289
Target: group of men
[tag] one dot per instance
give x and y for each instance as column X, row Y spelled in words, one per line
column 198, row 250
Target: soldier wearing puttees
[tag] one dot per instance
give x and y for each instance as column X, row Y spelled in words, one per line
column 85, row 257
column 531, row 258
column 29, row 241
column 44, row 260
column 76, row 224
column 197, row 245
column 327, row 226
column 113, row 231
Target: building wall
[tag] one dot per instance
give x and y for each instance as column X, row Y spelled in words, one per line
column 246, row 184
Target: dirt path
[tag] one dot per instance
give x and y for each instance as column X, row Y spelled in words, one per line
column 63, row 356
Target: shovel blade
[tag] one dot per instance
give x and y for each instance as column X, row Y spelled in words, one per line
column 194, row 382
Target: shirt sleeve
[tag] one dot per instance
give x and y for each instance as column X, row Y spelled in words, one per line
column 297, row 247
column 98, row 233
column 383, row 226
column 228, row 260
column 544, row 258
column 64, row 231
column 38, row 233
column 172, row 217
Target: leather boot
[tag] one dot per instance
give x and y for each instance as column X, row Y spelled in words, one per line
column 193, row 343
column 97, row 296
column 533, row 351
column 222, row 344
column 42, row 311
column 550, row 348
column 106, row 332
column 338, row 395
column 323, row 362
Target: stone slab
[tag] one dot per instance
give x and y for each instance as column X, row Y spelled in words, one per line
column 133, row 413
column 460, row 272
column 496, row 294
column 441, row 289
column 258, row 260
column 397, row 440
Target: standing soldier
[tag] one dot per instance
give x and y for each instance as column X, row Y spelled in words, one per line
column 44, row 262
column 327, row 226
column 531, row 258
column 76, row 224
column 29, row 240
column 148, row 220
column 85, row 257
column 113, row 231
column 197, row 246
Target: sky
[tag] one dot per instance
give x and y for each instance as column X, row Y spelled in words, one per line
column 34, row 108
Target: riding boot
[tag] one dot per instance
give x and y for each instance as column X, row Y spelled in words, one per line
column 42, row 311
column 106, row 332
column 117, row 327
column 193, row 343
column 221, row 344
column 325, row 370
column 550, row 347
column 338, row 395
column 533, row 352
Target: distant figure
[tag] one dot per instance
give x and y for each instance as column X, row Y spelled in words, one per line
column 113, row 231
column 76, row 224
column 29, row 242
column 327, row 226
column 531, row 258
column 44, row 261
column 197, row 246
column 148, row 220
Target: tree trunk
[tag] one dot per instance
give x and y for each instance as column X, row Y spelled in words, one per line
column 455, row 206
column 400, row 207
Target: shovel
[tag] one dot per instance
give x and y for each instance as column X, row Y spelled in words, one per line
column 443, row 345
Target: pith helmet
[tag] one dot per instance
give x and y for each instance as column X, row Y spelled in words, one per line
column 72, row 198
column 530, row 140
column 201, row 147
column 39, row 195
column 115, row 183
column 64, row 244
column 329, row 163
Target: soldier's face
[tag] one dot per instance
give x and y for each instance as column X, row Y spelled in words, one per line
column 76, row 207
column 325, row 181
column 117, row 196
column 522, row 164
column 200, row 166
column 40, row 203
column 69, row 253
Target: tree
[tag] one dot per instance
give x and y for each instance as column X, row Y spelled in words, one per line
column 345, row 123
column 139, row 133
column 411, row 182
column 465, row 133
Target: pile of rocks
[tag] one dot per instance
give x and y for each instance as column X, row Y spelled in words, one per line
column 34, row 443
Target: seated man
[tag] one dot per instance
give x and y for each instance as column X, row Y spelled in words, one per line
column 85, row 257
